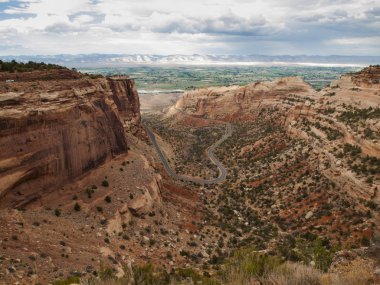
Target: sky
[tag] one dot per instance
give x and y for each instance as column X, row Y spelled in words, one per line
column 268, row 27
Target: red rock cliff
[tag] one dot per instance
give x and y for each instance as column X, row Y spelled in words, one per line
column 54, row 130
column 124, row 94
column 236, row 101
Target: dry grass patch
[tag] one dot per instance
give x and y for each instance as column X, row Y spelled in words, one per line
column 293, row 274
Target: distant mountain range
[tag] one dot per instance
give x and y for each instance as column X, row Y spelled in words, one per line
column 103, row 60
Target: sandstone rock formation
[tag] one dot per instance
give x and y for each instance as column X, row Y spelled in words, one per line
column 320, row 118
column 237, row 101
column 368, row 77
column 124, row 94
column 57, row 126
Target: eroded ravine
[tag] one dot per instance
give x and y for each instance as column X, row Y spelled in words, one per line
column 210, row 153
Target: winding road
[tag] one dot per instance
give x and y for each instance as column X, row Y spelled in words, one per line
column 210, row 153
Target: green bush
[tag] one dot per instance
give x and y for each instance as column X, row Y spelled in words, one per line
column 188, row 273
column 246, row 264
column 318, row 251
column 105, row 273
column 355, row 115
column 13, row 66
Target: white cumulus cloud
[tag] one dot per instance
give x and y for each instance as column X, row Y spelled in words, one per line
column 198, row 26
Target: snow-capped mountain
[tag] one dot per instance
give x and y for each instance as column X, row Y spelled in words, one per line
column 101, row 60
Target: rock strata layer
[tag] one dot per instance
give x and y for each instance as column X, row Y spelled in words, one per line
column 55, row 128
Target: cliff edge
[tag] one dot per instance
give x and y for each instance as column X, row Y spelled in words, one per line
column 57, row 125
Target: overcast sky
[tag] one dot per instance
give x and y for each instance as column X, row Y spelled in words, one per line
column 272, row 27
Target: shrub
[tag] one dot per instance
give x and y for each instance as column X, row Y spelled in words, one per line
column 369, row 134
column 365, row 241
column 68, row 281
column 106, row 273
column 189, row 274
column 246, row 265
column 105, row 183
column 77, row 207
column 147, row 275
column 107, row 199
column 12, row 66
column 318, row 252
column 354, row 115
column 89, row 192
column 57, row 212
column 354, row 150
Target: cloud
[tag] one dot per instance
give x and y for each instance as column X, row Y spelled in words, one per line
column 201, row 26
column 61, row 28
column 374, row 12
column 87, row 17
column 177, row 23
column 364, row 41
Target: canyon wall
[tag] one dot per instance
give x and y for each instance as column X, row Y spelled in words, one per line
column 232, row 102
column 343, row 115
column 55, row 128
column 124, row 94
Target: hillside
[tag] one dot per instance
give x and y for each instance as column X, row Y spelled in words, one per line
column 317, row 152
column 79, row 186
column 85, row 195
column 303, row 165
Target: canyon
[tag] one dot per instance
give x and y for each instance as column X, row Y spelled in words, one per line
column 65, row 140
column 82, row 188
column 303, row 165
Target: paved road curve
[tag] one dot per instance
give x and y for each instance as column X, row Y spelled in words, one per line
column 210, row 154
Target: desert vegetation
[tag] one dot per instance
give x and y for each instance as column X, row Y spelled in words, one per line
column 245, row 266
column 14, row 66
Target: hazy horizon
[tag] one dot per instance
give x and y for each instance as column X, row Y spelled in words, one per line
column 122, row 60
column 194, row 53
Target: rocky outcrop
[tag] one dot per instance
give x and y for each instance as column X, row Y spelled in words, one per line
column 55, row 130
column 124, row 94
column 344, row 113
column 356, row 266
column 237, row 101
column 142, row 204
column 368, row 77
